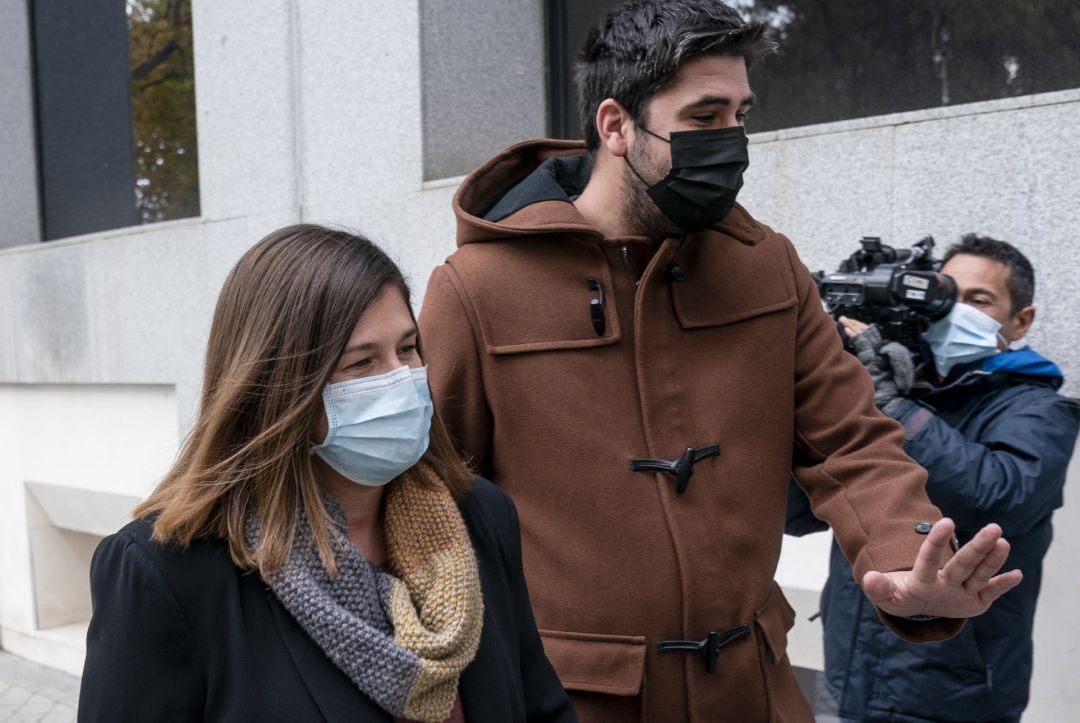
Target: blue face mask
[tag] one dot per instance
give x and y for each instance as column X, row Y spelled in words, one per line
column 378, row 426
column 964, row 336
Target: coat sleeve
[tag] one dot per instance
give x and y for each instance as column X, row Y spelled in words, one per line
column 1012, row 474
column 140, row 655
column 849, row 457
column 545, row 698
column 800, row 518
column 450, row 347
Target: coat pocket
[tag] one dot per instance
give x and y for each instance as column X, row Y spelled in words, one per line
column 603, row 674
column 556, row 296
column 772, row 621
column 727, row 283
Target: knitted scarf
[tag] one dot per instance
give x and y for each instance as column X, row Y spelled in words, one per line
column 403, row 636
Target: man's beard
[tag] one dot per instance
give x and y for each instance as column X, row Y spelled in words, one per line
column 640, row 214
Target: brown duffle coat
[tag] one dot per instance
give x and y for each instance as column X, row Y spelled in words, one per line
column 714, row 339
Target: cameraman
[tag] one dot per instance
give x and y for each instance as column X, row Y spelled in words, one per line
column 995, row 438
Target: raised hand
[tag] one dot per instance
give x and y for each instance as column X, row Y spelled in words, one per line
column 962, row 588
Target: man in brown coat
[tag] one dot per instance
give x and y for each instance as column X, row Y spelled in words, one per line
column 643, row 366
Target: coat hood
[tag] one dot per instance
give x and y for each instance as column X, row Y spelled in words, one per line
column 529, row 189
column 1025, row 362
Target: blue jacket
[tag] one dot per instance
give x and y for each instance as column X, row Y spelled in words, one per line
column 996, row 441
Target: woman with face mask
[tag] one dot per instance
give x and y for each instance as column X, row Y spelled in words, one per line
column 318, row 550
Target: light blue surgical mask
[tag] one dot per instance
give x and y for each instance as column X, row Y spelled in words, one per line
column 378, row 426
column 964, row 336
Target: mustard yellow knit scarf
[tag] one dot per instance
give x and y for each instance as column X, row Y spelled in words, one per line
column 402, row 635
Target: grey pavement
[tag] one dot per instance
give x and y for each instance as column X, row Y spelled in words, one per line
column 812, row 683
column 32, row 693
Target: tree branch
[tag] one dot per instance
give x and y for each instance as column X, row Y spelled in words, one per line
column 162, row 80
column 151, row 64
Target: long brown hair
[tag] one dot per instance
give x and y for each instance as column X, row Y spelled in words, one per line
column 281, row 323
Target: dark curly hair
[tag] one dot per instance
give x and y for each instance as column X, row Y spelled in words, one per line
column 1021, row 272
column 638, row 49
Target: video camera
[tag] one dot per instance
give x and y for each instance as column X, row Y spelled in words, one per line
column 899, row 290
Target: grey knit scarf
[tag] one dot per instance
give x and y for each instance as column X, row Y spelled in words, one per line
column 402, row 636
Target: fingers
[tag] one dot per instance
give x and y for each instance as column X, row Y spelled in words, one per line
column 980, row 549
column 932, row 551
column 988, row 567
column 847, row 325
column 878, row 588
column 862, row 336
column 998, row 586
column 852, row 327
column 964, row 587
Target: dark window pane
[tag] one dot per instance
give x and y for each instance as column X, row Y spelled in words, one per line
column 568, row 22
column 844, row 59
column 83, row 116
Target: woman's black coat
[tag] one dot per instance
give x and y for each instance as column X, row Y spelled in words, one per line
column 184, row 635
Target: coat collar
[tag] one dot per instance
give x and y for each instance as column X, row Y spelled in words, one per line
column 526, row 191
column 337, row 698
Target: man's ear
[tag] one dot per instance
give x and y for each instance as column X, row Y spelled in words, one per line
column 1021, row 322
column 614, row 126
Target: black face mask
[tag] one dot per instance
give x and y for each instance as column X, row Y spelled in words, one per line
column 705, row 177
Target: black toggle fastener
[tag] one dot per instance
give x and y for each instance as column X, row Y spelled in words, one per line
column 681, row 467
column 709, row 647
column 596, row 306
column 674, row 272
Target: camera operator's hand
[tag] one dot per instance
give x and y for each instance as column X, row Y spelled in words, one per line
column 889, row 363
column 852, row 327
